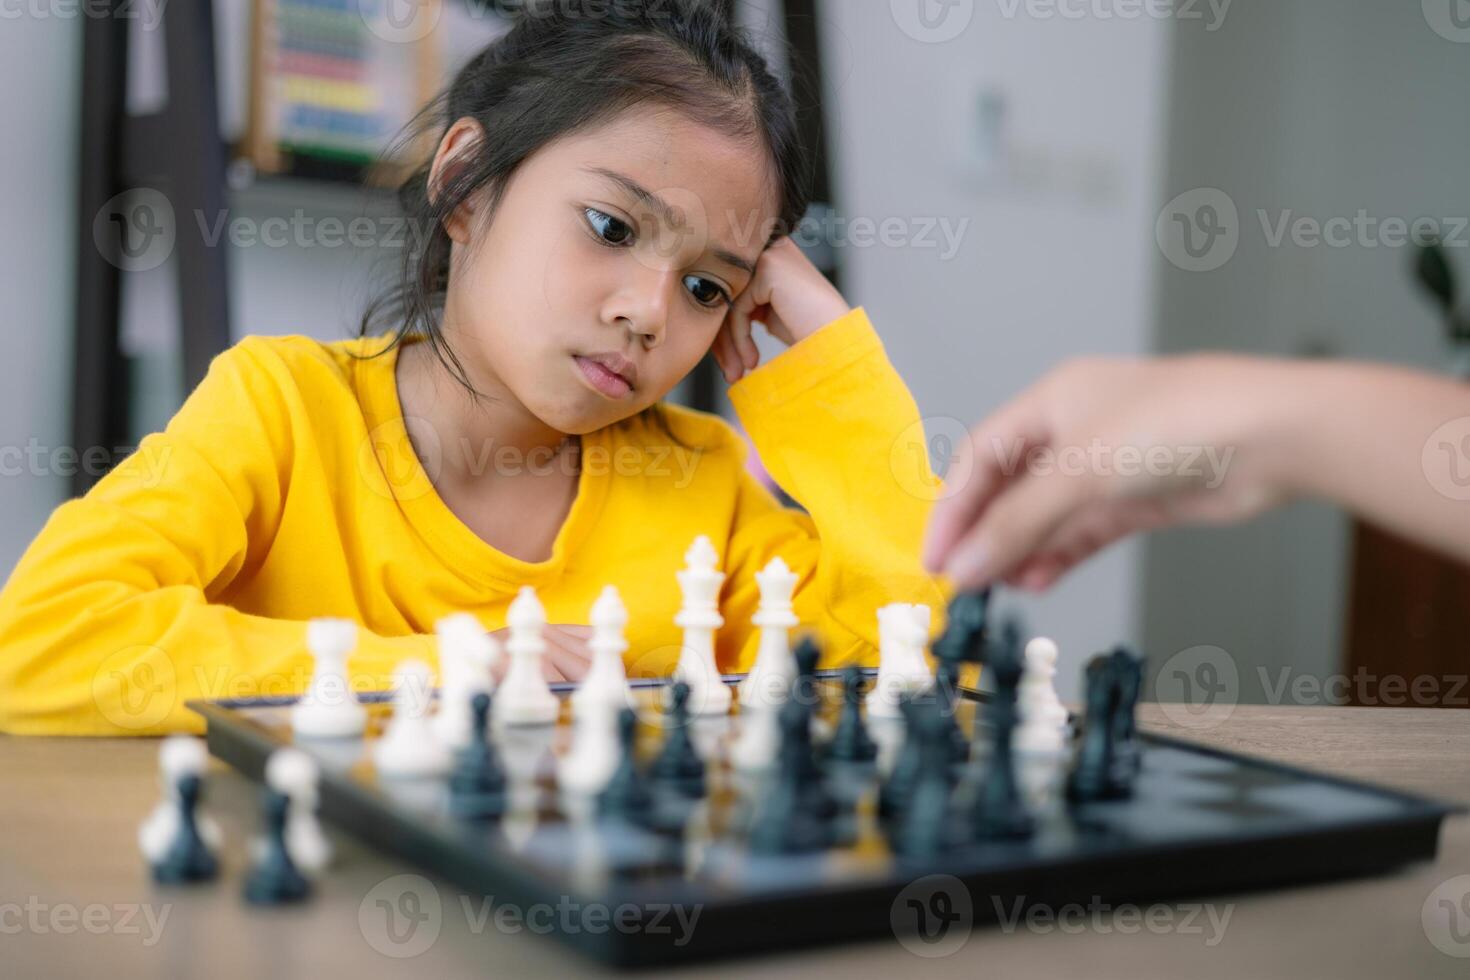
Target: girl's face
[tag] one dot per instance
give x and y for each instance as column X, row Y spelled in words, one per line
column 607, row 268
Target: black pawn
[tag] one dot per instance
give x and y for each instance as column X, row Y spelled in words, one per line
column 275, row 879
column 1095, row 773
column 898, row 788
column 1128, row 669
column 963, row 639
column 678, row 765
column 851, row 742
column 477, row 786
column 626, row 796
column 926, row 829
column 791, row 821
column 804, row 689
column 999, row 811
column 188, row 858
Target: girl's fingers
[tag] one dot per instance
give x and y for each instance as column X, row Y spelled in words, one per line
column 724, row 351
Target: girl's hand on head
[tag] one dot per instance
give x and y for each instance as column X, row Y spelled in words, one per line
column 1100, row 449
column 568, row 656
column 789, row 295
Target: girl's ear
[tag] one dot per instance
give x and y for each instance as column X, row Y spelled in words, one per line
column 454, row 150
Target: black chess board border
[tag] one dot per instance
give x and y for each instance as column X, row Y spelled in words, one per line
column 805, row 916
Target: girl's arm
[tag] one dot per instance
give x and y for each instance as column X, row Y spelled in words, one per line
column 838, row 430
column 1201, row 439
column 109, row 623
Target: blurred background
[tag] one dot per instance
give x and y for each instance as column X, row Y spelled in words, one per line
column 1004, row 184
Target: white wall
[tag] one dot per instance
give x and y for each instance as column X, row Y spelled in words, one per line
column 1323, row 108
column 40, row 65
column 1058, row 257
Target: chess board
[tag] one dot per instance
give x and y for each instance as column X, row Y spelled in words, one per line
column 1201, row 822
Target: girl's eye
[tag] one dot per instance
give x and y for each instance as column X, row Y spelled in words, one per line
column 609, row 229
column 706, row 292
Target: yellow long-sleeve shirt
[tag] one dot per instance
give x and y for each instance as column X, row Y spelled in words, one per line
column 286, row 488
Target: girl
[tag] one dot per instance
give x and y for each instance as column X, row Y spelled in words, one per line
column 606, row 205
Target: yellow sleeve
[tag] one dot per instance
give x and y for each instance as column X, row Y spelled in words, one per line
column 837, row 428
column 107, row 625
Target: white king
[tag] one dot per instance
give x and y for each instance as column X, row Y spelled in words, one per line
column 770, row 679
column 700, row 618
column 606, row 682
column 524, row 697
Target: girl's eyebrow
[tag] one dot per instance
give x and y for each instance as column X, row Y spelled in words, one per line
column 666, row 213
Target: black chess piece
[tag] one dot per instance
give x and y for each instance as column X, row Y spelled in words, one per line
column 188, row 858
column 999, row 811
column 792, row 820
column 851, row 741
column 964, row 636
column 678, row 765
column 1127, row 754
column 897, row 789
column 926, row 828
column 804, row 687
column 477, row 788
column 1095, row 774
column 275, row 879
column 626, row 796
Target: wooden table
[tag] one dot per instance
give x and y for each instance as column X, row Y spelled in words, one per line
column 70, row 809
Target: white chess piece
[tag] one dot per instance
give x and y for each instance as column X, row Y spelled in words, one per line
column 466, row 656
column 178, row 756
column 700, row 618
column 607, row 679
column 409, row 747
column 294, row 774
column 758, row 745
column 328, row 708
column 769, row 682
column 903, row 634
column 524, row 697
column 1043, row 727
column 595, row 752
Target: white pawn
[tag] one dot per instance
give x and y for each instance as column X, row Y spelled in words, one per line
column 700, row 618
column 409, row 747
column 1043, row 727
column 466, row 656
column 292, row 773
column 607, row 679
column 596, row 752
column 771, row 677
column 903, row 634
column 524, row 697
column 178, row 756
column 329, row 709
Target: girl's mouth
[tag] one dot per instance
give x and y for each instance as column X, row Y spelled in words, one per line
column 602, row 379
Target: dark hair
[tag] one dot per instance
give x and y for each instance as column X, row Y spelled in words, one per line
column 563, row 66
